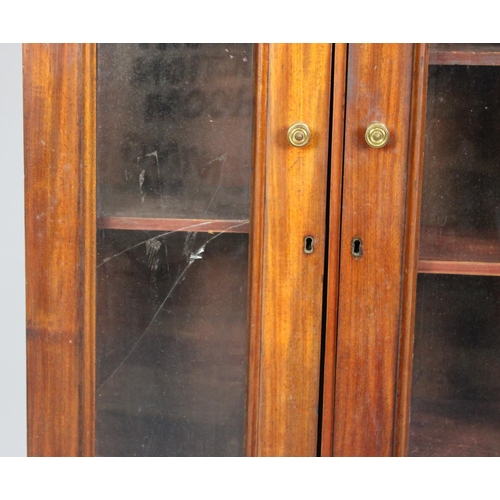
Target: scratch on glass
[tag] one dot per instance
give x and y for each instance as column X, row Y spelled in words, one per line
column 182, row 229
column 222, row 160
column 193, row 257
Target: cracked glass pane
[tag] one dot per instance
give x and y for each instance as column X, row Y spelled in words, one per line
column 174, row 160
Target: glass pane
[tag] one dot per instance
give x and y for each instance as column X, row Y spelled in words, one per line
column 461, row 186
column 455, row 407
column 174, row 156
column 172, row 344
column 174, row 130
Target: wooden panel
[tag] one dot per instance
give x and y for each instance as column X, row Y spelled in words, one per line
column 374, row 193
column 417, row 139
column 59, row 392
column 337, row 160
column 295, row 207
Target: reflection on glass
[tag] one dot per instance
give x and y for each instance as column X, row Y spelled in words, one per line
column 172, row 343
column 174, row 131
column 174, row 142
column 455, row 405
column 455, row 408
column 461, row 186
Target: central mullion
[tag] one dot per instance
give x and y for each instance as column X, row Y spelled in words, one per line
column 295, row 209
column 332, row 270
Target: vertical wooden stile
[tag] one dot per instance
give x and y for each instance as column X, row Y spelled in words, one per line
column 256, row 242
column 374, row 198
column 417, row 140
column 292, row 292
column 59, row 261
column 89, row 80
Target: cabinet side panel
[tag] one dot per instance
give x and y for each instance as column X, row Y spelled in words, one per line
column 295, row 206
column 52, row 103
column 378, row 89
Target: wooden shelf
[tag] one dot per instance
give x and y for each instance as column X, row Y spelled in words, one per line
column 465, row 54
column 458, row 267
column 449, row 251
column 157, row 224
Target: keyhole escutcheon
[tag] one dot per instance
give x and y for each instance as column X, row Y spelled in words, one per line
column 357, row 247
column 308, row 244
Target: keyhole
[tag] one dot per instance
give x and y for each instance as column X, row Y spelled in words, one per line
column 357, row 248
column 308, row 244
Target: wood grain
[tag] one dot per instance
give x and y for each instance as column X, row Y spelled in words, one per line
column 158, row 224
column 292, row 293
column 415, row 172
column 373, row 209
column 332, row 278
column 256, row 245
column 59, row 400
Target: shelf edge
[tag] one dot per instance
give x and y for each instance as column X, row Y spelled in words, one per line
column 445, row 57
column 157, row 224
column 458, row 267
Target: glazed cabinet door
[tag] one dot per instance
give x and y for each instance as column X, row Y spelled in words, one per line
column 372, row 141
column 360, row 404
column 450, row 395
column 412, row 338
column 175, row 247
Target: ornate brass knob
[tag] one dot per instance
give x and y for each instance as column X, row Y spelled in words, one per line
column 377, row 135
column 299, row 134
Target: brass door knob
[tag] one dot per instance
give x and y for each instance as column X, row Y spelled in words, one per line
column 377, row 135
column 299, row 134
